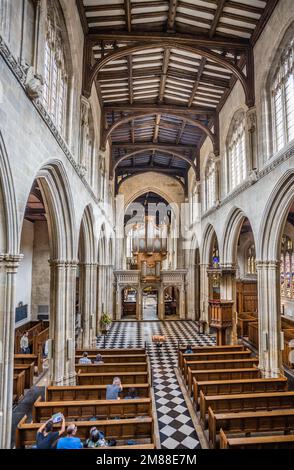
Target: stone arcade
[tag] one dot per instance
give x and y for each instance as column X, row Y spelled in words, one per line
column 147, row 181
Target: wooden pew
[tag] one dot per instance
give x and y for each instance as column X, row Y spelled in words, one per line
column 29, row 373
column 18, row 386
column 116, row 368
column 218, row 356
column 91, row 392
column 221, row 374
column 138, row 429
column 116, row 358
column 109, row 352
column 287, row 322
column 106, row 378
column 244, row 402
column 243, row 320
column 229, row 364
column 33, row 329
column 260, row 442
column 85, row 410
column 206, row 349
column 28, row 359
column 253, row 334
column 248, row 422
column 39, row 340
column 227, row 387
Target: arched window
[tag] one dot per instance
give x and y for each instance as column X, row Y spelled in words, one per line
column 5, row 18
column 282, row 92
column 55, row 71
column 210, row 184
column 236, row 150
column 251, row 260
column 287, row 267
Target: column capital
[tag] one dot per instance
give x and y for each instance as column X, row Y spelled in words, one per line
column 268, row 264
column 10, row 260
column 63, row 263
column 88, row 264
column 228, row 268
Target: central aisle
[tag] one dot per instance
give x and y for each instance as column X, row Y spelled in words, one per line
column 174, row 420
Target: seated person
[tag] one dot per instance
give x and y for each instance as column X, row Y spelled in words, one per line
column 113, row 391
column 96, row 439
column 24, row 343
column 85, row 359
column 70, row 441
column 98, row 359
column 46, row 436
column 189, row 349
column 132, row 394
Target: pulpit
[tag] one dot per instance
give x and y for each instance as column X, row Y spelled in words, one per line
column 221, row 318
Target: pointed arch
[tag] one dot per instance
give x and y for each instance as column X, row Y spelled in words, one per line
column 230, row 237
column 208, row 237
column 9, row 226
column 136, row 152
column 135, row 116
column 88, row 250
column 274, row 218
column 58, row 201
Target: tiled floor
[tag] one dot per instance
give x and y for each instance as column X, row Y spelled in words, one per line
column 175, row 424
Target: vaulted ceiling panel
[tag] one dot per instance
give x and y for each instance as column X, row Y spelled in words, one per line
column 163, row 69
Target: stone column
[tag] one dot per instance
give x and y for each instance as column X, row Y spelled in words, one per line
column 161, row 311
column 217, row 180
column 228, row 292
column 252, row 132
column 204, row 294
column 99, row 300
column 269, row 318
column 93, row 331
column 87, row 296
column 182, row 302
column 62, row 322
column 8, row 269
column 139, row 304
column 274, row 337
column 118, row 297
column 85, row 107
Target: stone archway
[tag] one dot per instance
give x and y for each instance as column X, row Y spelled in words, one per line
column 9, row 262
column 209, row 239
column 268, row 270
column 53, row 183
column 87, row 280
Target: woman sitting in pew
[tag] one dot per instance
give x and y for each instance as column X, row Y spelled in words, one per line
column 132, row 394
column 113, row 391
column 96, row 439
column 46, row 436
column 98, row 359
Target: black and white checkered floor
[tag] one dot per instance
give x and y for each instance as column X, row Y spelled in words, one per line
column 175, row 425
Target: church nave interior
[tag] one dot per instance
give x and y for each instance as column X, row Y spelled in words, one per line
column 146, row 224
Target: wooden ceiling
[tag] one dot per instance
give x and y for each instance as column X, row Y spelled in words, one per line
column 163, row 70
column 35, row 209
